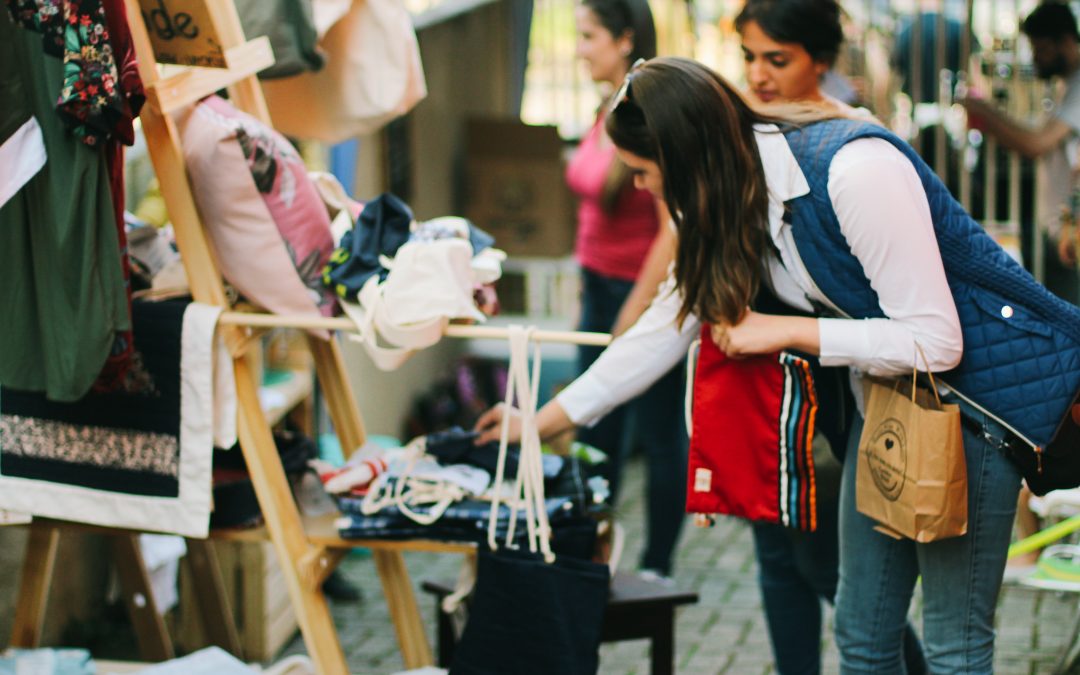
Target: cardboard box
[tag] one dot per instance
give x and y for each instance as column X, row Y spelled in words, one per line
column 516, row 189
column 256, row 591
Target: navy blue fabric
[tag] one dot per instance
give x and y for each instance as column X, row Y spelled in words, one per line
column 1024, row 369
column 455, row 446
column 530, row 617
column 381, row 229
column 479, row 239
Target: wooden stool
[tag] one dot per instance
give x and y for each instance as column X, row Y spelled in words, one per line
column 636, row 609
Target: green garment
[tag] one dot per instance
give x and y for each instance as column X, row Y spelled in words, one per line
column 62, row 293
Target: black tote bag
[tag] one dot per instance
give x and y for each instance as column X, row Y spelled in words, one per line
column 532, row 612
column 529, row 616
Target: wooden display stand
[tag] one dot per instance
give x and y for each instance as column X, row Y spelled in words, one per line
column 307, row 552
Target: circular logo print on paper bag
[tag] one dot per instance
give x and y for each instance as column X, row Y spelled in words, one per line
column 887, row 456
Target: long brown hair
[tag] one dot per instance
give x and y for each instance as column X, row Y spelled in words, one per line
column 699, row 130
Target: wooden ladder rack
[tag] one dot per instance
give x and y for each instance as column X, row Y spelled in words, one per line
column 308, row 550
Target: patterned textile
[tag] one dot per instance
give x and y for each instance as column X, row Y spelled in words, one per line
column 117, row 364
column 91, row 102
column 139, row 458
column 751, row 437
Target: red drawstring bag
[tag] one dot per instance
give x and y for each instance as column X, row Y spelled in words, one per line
column 751, row 434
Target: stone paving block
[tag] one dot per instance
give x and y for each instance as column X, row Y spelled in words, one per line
column 706, row 664
column 714, row 591
column 1057, row 608
column 1012, row 666
column 749, row 662
column 631, row 650
column 742, row 597
column 623, row 666
column 723, row 638
column 696, row 615
column 1015, row 635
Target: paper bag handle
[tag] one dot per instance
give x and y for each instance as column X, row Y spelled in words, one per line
column 915, row 372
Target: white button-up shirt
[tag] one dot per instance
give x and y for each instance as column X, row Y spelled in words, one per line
column 885, row 217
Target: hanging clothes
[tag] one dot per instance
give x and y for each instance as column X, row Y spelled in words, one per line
column 22, row 149
column 129, row 82
column 115, row 370
column 61, row 277
column 90, row 100
column 138, row 459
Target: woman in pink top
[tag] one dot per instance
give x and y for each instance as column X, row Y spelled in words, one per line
column 619, row 230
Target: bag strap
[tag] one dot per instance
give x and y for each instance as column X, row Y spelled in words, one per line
column 528, row 492
column 915, row 372
column 439, row 493
column 688, row 395
column 504, row 439
column 529, row 468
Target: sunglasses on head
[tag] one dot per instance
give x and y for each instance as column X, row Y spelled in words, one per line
column 623, row 94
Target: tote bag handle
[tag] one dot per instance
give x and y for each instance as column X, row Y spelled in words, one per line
column 528, row 492
column 688, row 395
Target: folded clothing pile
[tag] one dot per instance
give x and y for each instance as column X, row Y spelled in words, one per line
column 439, row 487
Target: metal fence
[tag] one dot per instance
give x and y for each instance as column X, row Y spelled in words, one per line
column 908, row 61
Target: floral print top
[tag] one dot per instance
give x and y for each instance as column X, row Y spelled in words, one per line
column 91, row 102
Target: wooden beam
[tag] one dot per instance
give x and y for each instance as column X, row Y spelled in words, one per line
column 37, row 574
column 284, row 525
column 193, row 84
column 149, row 625
column 415, row 648
column 214, row 608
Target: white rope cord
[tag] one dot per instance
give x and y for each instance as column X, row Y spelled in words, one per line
column 518, row 355
column 500, row 465
column 525, row 486
column 406, row 491
column 529, row 483
column 688, row 400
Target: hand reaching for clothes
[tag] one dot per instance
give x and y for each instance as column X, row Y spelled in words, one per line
column 489, row 425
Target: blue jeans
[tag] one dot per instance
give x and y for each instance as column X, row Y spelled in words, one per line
column 961, row 576
column 653, row 421
column 796, row 571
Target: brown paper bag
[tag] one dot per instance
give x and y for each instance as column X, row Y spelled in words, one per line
column 911, row 476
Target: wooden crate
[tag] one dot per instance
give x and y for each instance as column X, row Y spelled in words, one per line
column 255, row 586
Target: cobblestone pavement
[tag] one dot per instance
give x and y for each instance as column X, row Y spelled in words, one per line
column 723, row 633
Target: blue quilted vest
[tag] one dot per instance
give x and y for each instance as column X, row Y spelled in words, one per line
column 1021, row 360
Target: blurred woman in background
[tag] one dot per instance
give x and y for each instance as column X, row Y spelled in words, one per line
column 623, row 245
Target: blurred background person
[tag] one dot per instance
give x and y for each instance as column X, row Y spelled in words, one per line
column 623, row 246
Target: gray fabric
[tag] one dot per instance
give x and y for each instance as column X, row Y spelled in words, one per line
column 290, row 25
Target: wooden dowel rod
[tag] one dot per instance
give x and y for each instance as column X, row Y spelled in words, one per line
column 454, row 330
column 286, row 321
column 496, row 333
